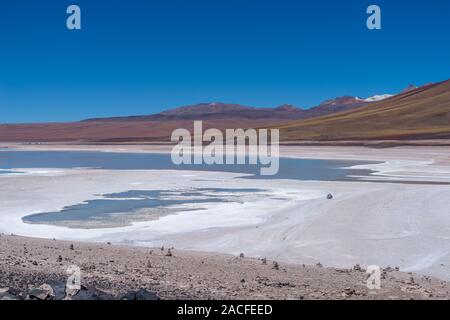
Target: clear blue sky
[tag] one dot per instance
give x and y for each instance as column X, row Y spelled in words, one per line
column 143, row 56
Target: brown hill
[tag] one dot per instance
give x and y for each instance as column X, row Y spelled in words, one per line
column 338, row 104
column 220, row 111
column 112, row 132
column 216, row 111
column 158, row 127
column 422, row 113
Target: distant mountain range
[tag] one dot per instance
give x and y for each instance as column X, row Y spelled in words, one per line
column 417, row 112
column 219, row 110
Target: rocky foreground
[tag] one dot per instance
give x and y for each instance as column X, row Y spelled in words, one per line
column 37, row 269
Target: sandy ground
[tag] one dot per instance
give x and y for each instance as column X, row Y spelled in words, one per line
column 385, row 224
column 27, row 262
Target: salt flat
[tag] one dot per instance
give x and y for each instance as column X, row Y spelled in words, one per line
column 382, row 223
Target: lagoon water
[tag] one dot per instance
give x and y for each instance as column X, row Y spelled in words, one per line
column 122, row 209
column 302, row 169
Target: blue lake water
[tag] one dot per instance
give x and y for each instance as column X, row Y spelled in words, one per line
column 121, row 209
column 301, row 169
column 7, row 172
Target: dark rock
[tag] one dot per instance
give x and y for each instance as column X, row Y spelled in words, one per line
column 349, row 291
column 6, row 294
column 329, row 196
column 358, row 268
column 283, row 284
column 59, row 289
column 141, row 294
column 44, row 292
column 276, row 266
column 89, row 293
column 16, row 292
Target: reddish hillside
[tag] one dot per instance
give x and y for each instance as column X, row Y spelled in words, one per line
column 159, row 127
column 421, row 113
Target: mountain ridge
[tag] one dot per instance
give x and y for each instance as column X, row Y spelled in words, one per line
column 421, row 113
column 295, row 123
column 220, row 110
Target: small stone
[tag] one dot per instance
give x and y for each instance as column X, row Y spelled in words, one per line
column 141, row 294
column 349, row 291
column 357, row 267
column 276, row 266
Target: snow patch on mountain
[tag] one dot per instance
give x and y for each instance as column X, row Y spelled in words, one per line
column 379, row 97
